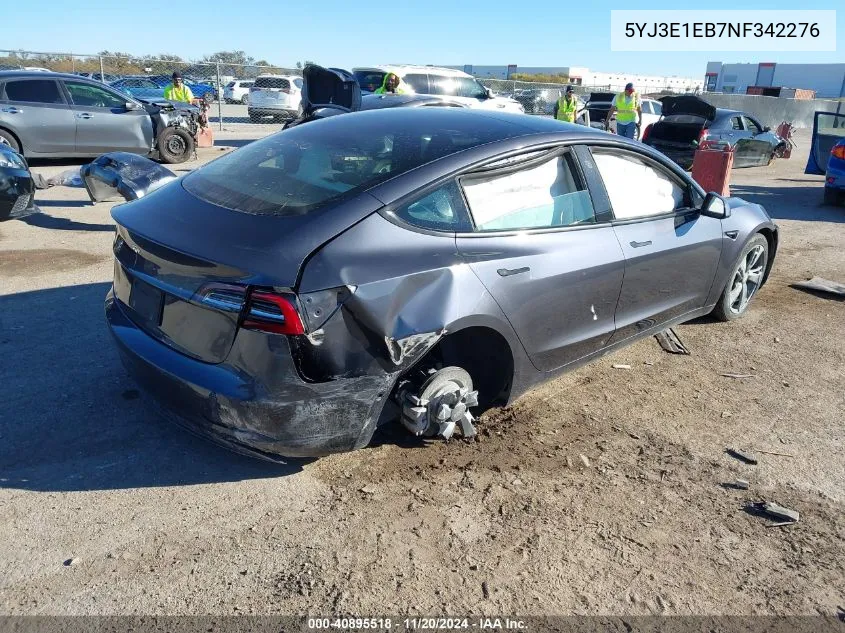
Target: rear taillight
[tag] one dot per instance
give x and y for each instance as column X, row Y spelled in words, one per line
column 271, row 312
column 838, row 151
column 702, row 135
column 647, row 132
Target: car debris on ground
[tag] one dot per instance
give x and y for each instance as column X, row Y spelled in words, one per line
column 744, row 456
column 671, row 342
column 729, row 375
column 775, row 511
column 822, row 285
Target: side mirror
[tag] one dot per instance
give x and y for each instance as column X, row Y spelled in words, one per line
column 767, row 129
column 715, row 206
column 131, row 105
column 488, row 92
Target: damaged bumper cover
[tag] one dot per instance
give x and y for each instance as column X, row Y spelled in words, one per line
column 121, row 175
column 308, row 401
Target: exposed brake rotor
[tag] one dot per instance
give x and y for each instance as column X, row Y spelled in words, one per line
column 442, row 403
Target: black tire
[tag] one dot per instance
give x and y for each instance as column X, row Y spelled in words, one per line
column 175, row 145
column 832, row 196
column 6, row 138
column 245, row 99
column 723, row 309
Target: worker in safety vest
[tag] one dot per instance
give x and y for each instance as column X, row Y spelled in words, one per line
column 393, row 84
column 629, row 112
column 178, row 91
column 567, row 107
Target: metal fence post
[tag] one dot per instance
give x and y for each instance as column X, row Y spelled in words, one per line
column 102, row 74
column 219, row 98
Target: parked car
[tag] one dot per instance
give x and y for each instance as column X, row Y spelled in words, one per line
column 237, row 91
column 599, row 105
column 106, row 78
column 827, row 154
column 444, row 83
column 424, row 263
column 540, row 100
column 138, row 87
column 61, row 115
column 277, row 96
column 688, row 120
column 17, row 189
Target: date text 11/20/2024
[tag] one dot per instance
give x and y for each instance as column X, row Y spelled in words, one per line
column 417, row 624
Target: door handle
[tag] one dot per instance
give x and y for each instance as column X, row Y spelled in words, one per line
column 507, row 272
column 640, row 244
column 84, row 115
column 11, row 110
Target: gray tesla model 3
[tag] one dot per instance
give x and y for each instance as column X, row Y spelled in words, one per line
column 420, row 264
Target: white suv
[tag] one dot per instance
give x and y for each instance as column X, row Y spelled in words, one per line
column 278, row 96
column 452, row 85
column 236, row 91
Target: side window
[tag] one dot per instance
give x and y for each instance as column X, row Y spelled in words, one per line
column 636, row 188
column 419, row 82
column 442, row 86
column 34, row 91
column 441, row 210
column 543, row 196
column 298, row 83
column 736, row 123
column 87, row 95
column 750, row 124
column 658, row 107
column 647, row 107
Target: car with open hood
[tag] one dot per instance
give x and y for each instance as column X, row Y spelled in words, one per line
column 688, row 120
column 413, row 264
column 447, row 84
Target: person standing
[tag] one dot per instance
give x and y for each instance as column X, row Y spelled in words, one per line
column 566, row 107
column 178, row 91
column 629, row 112
column 393, row 84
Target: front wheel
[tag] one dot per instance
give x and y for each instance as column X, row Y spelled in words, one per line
column 245, row 99
column 832, row 196
column 175, row 145
column 745, row 281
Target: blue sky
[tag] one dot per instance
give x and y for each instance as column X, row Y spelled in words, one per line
column 348, row 33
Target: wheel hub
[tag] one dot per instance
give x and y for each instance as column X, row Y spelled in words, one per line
column 440, row 405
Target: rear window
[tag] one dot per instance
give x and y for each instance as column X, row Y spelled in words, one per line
column 369, row 80
column 306, row 167
column 231, row 84
column 34, row 91
column 272, row 82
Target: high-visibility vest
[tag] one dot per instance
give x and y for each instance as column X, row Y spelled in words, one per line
column 626, row 107
column 566, row 110
column 172, row 93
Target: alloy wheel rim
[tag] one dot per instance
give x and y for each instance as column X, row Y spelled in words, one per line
column 747, row 279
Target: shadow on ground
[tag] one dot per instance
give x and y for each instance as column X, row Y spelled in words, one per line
column 73, row 421
column 791, row 203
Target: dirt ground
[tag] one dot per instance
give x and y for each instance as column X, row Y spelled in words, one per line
column 599, row 493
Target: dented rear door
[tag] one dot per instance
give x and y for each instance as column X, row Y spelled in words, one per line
column 547, row 257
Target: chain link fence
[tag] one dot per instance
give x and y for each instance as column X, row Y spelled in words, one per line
column 146, row 77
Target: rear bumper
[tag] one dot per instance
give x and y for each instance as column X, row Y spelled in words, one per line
column 682, row 156
column 255, row 401
column 17, row 194
column 269, row 110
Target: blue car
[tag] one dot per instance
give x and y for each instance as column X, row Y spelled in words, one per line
column 139, row 87
column 827, row 154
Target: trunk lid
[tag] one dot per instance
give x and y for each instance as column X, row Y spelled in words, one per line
column 688, row 104
column 183, row 265
column 329, row 88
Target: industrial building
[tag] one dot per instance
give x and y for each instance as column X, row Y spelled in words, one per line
column 826, row 80
column 589, row 78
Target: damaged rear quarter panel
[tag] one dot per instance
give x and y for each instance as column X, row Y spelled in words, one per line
column 410, row 290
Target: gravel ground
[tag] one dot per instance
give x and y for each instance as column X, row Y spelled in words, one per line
column 598, row 493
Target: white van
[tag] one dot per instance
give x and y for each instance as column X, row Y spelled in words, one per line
column 452, row 85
